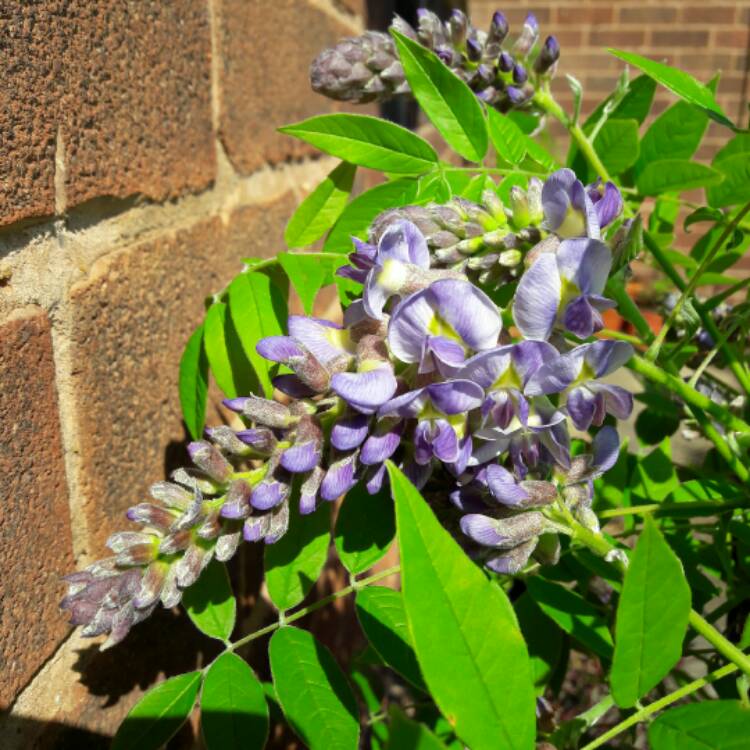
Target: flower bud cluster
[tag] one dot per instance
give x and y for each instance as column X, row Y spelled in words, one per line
column 503, row 74
column 422, row 373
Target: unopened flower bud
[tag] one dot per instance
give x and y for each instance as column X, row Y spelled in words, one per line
column 519, row 206
column 458, row 26
column 209, row 458
column 513, row 560
column 548, row 55
column 226, row 438
column 505, row 62
column 262, row 411
column 520, row 75
column 498, row 28
column 510, row 258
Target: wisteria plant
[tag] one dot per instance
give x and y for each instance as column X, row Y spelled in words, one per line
column 466, row 411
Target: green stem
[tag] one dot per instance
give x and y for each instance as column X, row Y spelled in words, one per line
column 667, row 509
column 647, row 711
column 704, row 312
column 689, row 395
column 544, row 99
column 628, row 309
column 299, row 614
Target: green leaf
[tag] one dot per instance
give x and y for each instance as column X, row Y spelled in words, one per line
column 381, row 614
column 258, row 309
column 365, row 527
column 465, row 633
column 313, row 692
column 617, row 145
column 678, row 82
column 229, row 365
column 702, row 214
column 675, row 134
column 735, row 188
column 655, row 476
column 573, row 614
column 674, row 175
column 406, row 734
column 210, row 602
column 358, row 215
column 319, row 211
column 540, row 155
column 234, row 712
column 193, row 384
column 450, row 105
column 652, row 618
column 293, row 564
column 159, row 714
column 710, row 725
column 367, row 141
column 636, row 103
column 543, row 638
column 507, row 138
column 308, row 274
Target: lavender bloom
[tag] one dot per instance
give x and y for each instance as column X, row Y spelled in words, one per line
column 576, row 373
column 441, row 412
column 564, row 287
column 439, row 326
column 568, row 207
column 607, row 201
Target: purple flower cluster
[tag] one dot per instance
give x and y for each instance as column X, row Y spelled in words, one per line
column 502, row 72
column 423, row 373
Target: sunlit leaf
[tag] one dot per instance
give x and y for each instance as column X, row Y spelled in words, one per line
column 210, row 603
column 319, row 211
column 451, row 106
column 309, row 274
column 193, row 384
column 480, row 675
column 674, row 175
column 313, row 692
column 158, row 714
column 710, row 725
column 234, row 713
column 652, row 618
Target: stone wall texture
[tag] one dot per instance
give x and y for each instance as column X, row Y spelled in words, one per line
column 139, row 163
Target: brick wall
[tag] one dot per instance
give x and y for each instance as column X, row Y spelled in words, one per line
column 138, row 164
column 700, row 37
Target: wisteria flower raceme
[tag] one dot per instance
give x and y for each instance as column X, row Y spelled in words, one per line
column 564, row 287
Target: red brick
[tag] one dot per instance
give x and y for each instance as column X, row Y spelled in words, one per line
column 578, row 15
column 28, row 95
column 709, row 14
column 621, row 38
column 680, row 38
column 35, row 537
column 137, row 110
column 736, row 38
column 131, row 319
column 267, row 49
column 648, row 15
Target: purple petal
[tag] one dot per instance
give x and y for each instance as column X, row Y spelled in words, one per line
column 556, row 375
column 364, row 250
column 349, row 432
column 301, row 457
column 503, row 487
column 529, row 356
column 465, row 449
column 556, row 197
column 292, row 386
column 380, row 285
column 466, row 310
column 585, row 263
column 608, row 203
column 606, row 449
column 256, row 527
column 409, row 325
column 355, row 274
column 423, row 443
column 606, row 356
column 417, row 474
column 382, row 445
column 483, row 530
column 325, row 340
column 279, row 348
column 440, row 354
column 339, row 478
column 375, row 480
column 581, row 406
column 456, row 396
column 445, row 442
column 268, row 494
column 403, row 241
column 512, row 561
column 406, row 405
column 581, row 318
column 537, row 298
column 365, row 391
column 308, row 498
column 617, row 400
column 487, row 367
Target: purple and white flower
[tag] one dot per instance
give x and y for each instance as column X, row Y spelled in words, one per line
column 441, row 325
column 577, row 372
column 565, row 288
column 568, row 208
